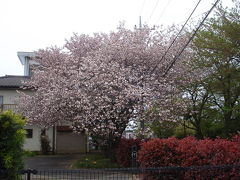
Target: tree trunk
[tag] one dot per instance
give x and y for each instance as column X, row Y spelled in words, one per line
column 227, row 114
column 199, row 134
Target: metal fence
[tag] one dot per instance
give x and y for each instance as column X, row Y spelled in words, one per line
column 5, row 107
column 165, row 173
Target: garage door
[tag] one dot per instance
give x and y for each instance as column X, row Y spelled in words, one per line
column 68, row 142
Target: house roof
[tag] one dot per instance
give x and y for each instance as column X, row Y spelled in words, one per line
column 10, row 81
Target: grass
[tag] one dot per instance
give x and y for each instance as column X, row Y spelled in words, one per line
column 94, row 161
column 27, row 153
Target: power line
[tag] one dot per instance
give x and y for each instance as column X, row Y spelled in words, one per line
column 163, row 12
column 179, row 23
column 190, row 39
column 204, row 13
column 176, row 36
column 153, row 10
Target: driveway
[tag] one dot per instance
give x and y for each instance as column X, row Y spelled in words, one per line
column 56, row 167
column 45, row 162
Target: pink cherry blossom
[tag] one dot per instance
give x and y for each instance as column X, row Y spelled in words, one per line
column 98, row 83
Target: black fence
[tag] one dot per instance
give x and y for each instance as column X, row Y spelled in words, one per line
column 165, row 173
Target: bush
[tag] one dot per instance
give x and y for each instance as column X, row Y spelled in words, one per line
column 124, row 151
column 191, row 152
column 208, row 152
column 12, row 137
column 27, row 153
column 159, row 152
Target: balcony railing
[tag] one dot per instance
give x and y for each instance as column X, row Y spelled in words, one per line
column 5, row 107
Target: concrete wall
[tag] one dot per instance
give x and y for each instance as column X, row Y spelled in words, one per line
column 65, row 142
column 33, row 144
column 10, row 95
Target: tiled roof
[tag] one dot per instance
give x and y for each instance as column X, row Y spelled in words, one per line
column 12, row 81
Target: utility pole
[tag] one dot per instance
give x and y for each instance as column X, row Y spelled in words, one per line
column 140, row 22
column 142, row 124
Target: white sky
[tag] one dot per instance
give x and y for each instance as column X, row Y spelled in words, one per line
column 27, row 25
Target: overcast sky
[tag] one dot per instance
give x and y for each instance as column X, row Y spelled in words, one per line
column 28, row 25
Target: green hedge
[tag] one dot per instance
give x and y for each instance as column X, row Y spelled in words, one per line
column 12, row 137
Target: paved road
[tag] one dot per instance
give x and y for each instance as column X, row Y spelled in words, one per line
column 56, row 167
column 44, row 162
column 81, row 174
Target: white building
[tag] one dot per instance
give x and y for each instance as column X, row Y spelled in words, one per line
column 62, row 140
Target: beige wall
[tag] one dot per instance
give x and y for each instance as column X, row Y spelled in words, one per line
column 64, row 142
column 10, row 95
column 33, row 144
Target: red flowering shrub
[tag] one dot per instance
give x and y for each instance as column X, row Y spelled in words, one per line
column 236, row 139
column 208, row 152
column 158, row 152
column 192, row 152
column 187, row 148
column 189, row 152
column 124, row 151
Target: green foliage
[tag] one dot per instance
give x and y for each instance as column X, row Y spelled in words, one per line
column 212, row 97
column 212, row 128
column 167, row 129
column 163, row 129
column 184, row 130
column 94, row 161
column 27, row 153
column 12, row 137
column 217, row 50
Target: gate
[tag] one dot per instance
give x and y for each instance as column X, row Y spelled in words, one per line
column 165, row 173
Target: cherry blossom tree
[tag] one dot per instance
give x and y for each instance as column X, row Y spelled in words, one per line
column 98, row 83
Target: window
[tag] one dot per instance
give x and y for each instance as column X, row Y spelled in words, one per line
column 29, row 133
